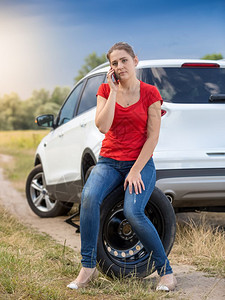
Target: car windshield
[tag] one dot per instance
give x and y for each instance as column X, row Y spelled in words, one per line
column 185, row 85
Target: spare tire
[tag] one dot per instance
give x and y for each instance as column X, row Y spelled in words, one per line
column 120, row 252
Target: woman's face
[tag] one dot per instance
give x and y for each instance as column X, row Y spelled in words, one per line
column 123, row 64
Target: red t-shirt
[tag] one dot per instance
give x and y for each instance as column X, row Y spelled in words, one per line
column 128, row 132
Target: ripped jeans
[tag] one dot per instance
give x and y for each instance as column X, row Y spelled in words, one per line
column 104, row 178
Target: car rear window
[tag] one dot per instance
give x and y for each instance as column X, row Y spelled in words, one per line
column 185, row 85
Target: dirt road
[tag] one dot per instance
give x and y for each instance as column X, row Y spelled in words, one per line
column 16, row 203
column 192, row 284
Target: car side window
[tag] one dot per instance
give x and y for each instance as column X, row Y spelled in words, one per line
column 68, row 109
column 88, row 99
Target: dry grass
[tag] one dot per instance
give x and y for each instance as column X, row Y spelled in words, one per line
column 33, row 266
column 200, row 245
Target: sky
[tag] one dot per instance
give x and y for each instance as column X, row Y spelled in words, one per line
column 43, row 43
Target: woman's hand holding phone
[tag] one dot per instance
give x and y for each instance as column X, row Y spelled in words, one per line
column 112, row 80
column 116, row 78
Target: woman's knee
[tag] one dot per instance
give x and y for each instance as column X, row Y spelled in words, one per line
column 132, row 209
column 129, row 212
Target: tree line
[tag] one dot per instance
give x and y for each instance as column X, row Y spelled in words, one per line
column 20, row 114
column 17, row 114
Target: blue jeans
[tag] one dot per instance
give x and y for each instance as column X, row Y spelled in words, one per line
column 104, row 178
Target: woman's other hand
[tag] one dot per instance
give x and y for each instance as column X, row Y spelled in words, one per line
column 134, row 180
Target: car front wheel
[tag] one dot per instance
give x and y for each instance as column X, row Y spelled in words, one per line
column 39, row 199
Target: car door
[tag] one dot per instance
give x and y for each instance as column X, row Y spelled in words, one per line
column 68, row 139
column 90, row 136
column 58, row 149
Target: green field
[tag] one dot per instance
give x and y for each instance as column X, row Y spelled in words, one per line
column 21, row 145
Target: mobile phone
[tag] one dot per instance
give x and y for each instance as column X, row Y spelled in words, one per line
column 115, row 77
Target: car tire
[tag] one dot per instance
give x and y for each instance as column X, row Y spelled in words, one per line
column 38, row 198
column 88, row 173
column 121, row 253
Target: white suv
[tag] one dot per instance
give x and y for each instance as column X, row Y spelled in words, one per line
column 189, row 157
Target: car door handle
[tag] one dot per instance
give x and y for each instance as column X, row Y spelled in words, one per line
column 61, row 134
column 215, row 154
column 83, row 124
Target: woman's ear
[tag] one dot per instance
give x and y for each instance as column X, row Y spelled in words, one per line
column 136, row 61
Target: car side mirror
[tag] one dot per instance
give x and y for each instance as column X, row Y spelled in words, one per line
column 45, row 121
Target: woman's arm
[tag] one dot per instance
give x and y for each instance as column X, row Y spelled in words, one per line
column 105, row 112
column 153, row 129
column 106, row 108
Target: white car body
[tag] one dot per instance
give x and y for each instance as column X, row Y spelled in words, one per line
column 189, row 157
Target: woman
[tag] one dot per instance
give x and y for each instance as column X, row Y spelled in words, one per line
column 129, row 114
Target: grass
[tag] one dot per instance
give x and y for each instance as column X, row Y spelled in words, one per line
column 21, row 145
column 202, row 246
column 34, row 266
column 21, row 139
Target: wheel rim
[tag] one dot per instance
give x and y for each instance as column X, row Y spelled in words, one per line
column 120, row 241
column 39, row 194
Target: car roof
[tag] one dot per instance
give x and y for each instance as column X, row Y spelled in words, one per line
column 175, row 62
column 159, row 63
